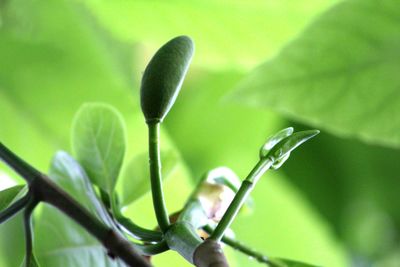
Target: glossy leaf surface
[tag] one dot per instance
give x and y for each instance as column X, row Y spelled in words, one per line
column 98, row 141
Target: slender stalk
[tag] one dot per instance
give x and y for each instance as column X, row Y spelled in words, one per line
column 28, row 231
column 155, row 176
column 133, row 229
column 247, row 186
column 152, row 249
column 14, row 208
column 183, row 238
column 239, row 246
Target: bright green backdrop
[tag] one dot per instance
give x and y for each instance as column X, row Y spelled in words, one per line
column 321, row 64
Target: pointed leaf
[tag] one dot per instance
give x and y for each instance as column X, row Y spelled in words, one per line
column 135, row 178
column 9, row 195
column 273, row 140
column 281, row 151
column 98, row 141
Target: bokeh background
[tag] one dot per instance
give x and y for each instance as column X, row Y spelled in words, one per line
column 259, row 66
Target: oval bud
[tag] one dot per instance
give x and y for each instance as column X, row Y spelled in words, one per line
column 163, row 77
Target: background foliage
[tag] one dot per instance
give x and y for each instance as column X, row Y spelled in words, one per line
column 328, row 64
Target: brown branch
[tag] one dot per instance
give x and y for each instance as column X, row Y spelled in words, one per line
column 43, row 189
column 210, row 254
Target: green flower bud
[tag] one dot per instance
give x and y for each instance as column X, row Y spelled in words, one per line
column 163, row 78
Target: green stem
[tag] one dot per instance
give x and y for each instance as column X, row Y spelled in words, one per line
column 152, row 249
column 133, row 229
column 28, row 230
column 241, row 196
column 243, row 248
column 137, row 231
column 155, row 176
column 183, row 238
column 14, row 208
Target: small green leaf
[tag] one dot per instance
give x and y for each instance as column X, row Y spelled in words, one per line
column 282, row 150
column 135, row 178
column 9, row 195
column 273, row 140
column 277, row 262
column 98, row 141
column 164, row 76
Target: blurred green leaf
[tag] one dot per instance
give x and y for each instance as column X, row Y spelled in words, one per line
column 229, row 35
column 210, row 132
column 135, row 178
column 59, row 240
column 9, row 195
column 55, row 57
column 340, row 74
column 278, row 206
column 99, row 141
column 355, row 187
